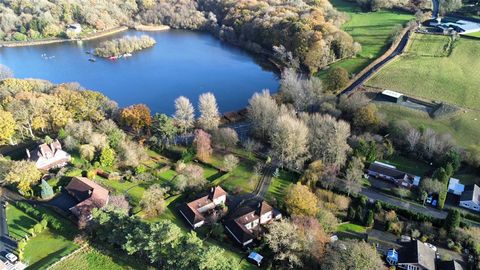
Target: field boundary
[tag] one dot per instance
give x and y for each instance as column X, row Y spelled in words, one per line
column 67, row 256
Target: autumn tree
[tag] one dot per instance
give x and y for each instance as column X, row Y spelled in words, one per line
column 299, row 200
column 367, row 117
column 189, row 177
column 262, row 113
column 314, row 237
column 24, row 174
column 118, row 203
column 225, row 138
column 313, row 174
column 203, row 146
column 7, row 127
column 284, row 241
column 153, row 200
column 289, row 140
column 209, row 116
column 87, row 152
column 353, row 176
column 352, row 254
column 337, row 78
column 137, row 117
column 327, row 139
column 184, row 114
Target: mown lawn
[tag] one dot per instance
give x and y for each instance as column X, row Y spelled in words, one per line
column 476, row 35
column 350, row 227
column 372, row 30
column 454, row 79
column 279, row 185
column 94, row 259
column 45, row 248
column 464, row 126
column 409, row 165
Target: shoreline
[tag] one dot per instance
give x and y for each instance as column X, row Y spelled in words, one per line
column 100, row 34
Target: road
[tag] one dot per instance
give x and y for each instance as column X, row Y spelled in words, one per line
column 398, row 50
column 375, row 195
column 6, row 243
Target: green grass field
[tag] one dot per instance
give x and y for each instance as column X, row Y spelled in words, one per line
column 279, row 185
column 454, row 79
column 94, row 259
column 409, row 165
column 350, row 227
column 371, row 29
column 46, row 247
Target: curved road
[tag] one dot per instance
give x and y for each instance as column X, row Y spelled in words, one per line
column 398, row 50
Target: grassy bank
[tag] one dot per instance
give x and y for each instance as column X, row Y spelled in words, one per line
column 372, row 30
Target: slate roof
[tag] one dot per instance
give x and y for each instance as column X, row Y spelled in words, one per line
column 417, row 252
column 89, row 194
column 190, row 210
column 241, row 233
column 449, row 265
column 471, row 193
column 385, row 170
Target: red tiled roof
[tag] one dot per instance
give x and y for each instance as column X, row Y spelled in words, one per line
column 89, row 194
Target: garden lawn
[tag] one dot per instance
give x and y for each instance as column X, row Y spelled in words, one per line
column 350, row 227
column 46, row 248
column 453, row 79
column 18, row 222
column 464, row 126
column 409, row 165
column 372, row 30
column 94, row 259
column 278, row 186
column 476, row 35
column 241, row 179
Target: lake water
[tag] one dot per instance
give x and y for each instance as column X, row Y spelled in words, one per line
column 181, row 63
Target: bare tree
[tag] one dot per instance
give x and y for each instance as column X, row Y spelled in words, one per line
column 225, row 138
column 289, row 140
column 209, row 116
column 413, row 137
column 153, row 200
column 328, row 138
column 230, row 162
column 5, row 72
column 353, row 176
column 262, row 113
column 202, row 144
column 184, row 114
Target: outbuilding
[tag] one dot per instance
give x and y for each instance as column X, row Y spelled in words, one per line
column 392, row 96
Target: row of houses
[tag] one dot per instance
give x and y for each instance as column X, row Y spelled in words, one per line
column 244, row 223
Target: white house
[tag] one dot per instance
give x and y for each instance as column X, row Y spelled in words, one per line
column 48, row 156
column 194, row 211
column 471, row 198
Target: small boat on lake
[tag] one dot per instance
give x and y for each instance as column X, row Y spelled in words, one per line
column 113, row 58
column 92, row 59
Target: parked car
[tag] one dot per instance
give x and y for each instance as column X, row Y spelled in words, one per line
column 11, row 257
column 434, row 248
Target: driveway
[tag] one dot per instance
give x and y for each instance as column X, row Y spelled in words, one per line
column 378, row 196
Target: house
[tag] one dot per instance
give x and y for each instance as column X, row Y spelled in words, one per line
column 390, row 173
column 48, row 156
column 449, row 265
column 392, row 96
column 88, row 194
column 194, row 212
column 245, row 223
column 416, row 255
column 455, row 187
column 471, row 198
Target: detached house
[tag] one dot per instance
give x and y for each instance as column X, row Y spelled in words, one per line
column 416, row 255
column 48, row 156
column 88, row 194
column 471, row 198
column 390, row 173
column 195, row 211
column 246, row 222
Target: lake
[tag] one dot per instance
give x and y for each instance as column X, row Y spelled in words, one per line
column 181, row 63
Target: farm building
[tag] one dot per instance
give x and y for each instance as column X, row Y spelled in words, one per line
column 392, row 96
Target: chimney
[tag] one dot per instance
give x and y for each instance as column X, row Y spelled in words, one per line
column 28, row 153
column 90, row 192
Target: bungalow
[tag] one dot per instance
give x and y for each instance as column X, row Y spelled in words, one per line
column 416, row 255
column 471, row 198
column 194, row 211
column 246, row 222
column 390, row 173
column 88, row 194
column 48, row 156
column 455, row 187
